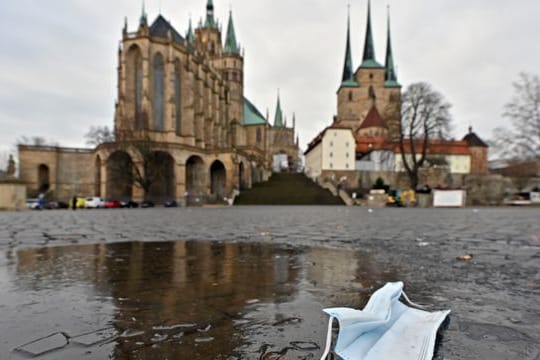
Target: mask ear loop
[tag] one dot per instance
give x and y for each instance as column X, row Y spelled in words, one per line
column 410, row 302
column 328, row 339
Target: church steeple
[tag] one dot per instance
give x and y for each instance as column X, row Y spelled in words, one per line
column 278, row 119
column 348, row 74
column 210, row 21
column 368, row 60
column 231, row 47
column 190, row 37
column 390, row 76
column 143, row 20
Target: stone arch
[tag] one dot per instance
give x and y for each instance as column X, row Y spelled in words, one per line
column 119, row 176
column 162, row 188
column 195, row 178
column 158, row 91
column 134, row 86
column 242, row 176
column 178, row 95
column 44, row 182
column 218, row 178
column 254, row 174
column 97, row 176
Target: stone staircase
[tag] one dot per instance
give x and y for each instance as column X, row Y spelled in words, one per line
column 287, row 189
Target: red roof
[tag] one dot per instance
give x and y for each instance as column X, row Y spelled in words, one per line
column 373, row 119
column 365, row 144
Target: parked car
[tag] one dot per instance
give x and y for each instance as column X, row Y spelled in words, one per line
column 112, row 204
column 54, row 205
column 32, row 204
column 94, row 202
column 147, row 204
column 81, row 203
column 130, row 204
column 170, row 204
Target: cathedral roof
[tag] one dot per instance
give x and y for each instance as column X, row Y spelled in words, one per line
column 474, row 140
column 161, row 27
column 373, row 119
column 252, row 116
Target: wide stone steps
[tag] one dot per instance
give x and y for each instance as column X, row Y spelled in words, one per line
column 287, row 189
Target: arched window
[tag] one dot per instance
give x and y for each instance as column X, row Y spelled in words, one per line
column 43, row 178
column 178, row 96
column 158, row 98
column 350, row 96
column 134, row 91
column 259, row 136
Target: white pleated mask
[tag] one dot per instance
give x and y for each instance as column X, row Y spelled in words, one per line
column 385, row 329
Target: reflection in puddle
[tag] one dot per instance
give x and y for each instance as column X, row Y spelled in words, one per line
column 179, row 300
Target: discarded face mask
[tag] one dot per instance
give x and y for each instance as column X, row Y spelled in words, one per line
column 385, row 329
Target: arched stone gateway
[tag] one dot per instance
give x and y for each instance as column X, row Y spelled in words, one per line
column 242, row 177
column 43, row 178
column 119, row 176
column 195, row 178
column 218, row 177
column 162, row 188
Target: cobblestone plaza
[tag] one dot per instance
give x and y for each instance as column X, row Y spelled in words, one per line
column 249, row 281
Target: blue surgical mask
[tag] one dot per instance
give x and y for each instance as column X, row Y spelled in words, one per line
column 385, row 329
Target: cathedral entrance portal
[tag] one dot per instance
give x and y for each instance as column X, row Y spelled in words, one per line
column 241, row 177
column 195, row 179
column 217, row 180
column 162, row 188
column 119, row 176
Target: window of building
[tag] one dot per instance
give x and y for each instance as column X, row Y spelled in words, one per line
column 331, row 143
column 346, row 155
column 158, row 94
column 331, row 154
column 331, row 166
column 178, row 96
column 346, row 166
column 350, row 96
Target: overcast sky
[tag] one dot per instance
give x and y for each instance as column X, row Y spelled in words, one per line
column 58, row 59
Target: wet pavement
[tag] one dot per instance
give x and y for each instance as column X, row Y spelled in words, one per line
column 250, row 283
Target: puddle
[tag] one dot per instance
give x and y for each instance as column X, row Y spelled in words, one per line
column 196, row 300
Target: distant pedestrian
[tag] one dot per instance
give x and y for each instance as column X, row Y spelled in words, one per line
column 74, row 203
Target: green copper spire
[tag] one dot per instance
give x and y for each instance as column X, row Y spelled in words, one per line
column 144, row 18
column 369, row 60
column 231, row 47
column 390, row 76
column 348, row 74
column 278, row 120
column 190, row 37
column 210, row 21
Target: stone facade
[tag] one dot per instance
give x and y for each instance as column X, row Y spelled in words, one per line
column 181, row 115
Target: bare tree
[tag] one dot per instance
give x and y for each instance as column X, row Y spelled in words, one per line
column 36, row 141
column 425, row 116
column 155, row 166
column 522, row 140
column 98, row 135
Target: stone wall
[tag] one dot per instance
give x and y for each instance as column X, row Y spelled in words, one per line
column 12, row 195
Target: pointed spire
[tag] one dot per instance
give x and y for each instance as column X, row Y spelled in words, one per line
column 294, row 120
column 278, row 120
column 190, row 37
column 348, row 74
column 210, row 21
column 231, row 47
column 144, row 18
column 369, row 60
column 390, row 74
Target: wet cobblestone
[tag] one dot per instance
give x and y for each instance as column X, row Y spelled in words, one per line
column 494, row 297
